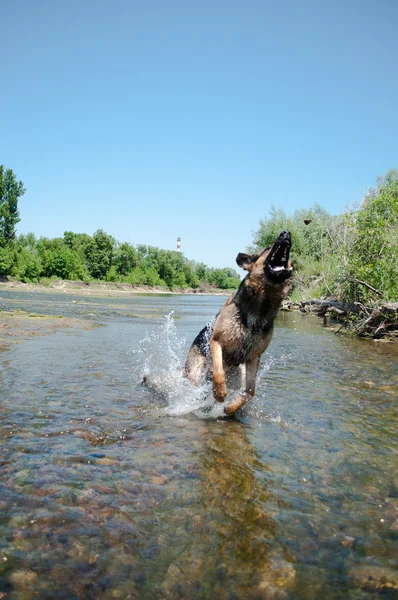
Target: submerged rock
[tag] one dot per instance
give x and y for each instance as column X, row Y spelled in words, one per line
column 277, row 579
column 24, row 581
column 373, row 578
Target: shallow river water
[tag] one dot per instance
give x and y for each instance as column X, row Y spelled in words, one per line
column 109, row 489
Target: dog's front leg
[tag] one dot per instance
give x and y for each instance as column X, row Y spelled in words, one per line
column 219, row 386
column 243, row 397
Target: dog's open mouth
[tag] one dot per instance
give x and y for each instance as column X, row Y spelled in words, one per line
column 277, row 265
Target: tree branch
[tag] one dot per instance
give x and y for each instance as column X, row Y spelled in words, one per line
column 368, row 286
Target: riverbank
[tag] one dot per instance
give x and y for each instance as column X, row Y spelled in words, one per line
column 18, row 325
column 102, row 288
column 379, row 321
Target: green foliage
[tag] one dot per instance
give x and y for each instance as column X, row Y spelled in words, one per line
column 145, row 276
column 191, row 276
column 224, row 279
column 59, row 260
column 271, row 227
column 372, row 252
column 76, row 241
column 112, row 274
column 6, row 260
column 317, row 240
column 98, row 252
column 125, row 258
column 10, row 191
column 333, row 254
column 26, row 265
column 316, row 244
column 84, row 257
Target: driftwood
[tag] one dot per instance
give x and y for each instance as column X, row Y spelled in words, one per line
column 324, row 307
column 377, row 321
column 371, row 288
column 381, row 322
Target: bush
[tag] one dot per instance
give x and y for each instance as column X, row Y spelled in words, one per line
column 6, row 261
column 26, row 266
column 149, row 276
column 371, row 257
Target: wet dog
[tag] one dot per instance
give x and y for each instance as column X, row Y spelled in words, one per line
column 243, row 328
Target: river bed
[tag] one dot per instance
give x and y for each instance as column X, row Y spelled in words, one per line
column 112, row 489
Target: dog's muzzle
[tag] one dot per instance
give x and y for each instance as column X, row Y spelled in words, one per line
column 277, row 264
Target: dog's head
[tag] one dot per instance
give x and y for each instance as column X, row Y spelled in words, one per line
column 271, row 264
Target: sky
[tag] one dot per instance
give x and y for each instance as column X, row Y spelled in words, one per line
column 158, row 119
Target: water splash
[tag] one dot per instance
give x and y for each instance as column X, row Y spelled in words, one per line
column 165, row 352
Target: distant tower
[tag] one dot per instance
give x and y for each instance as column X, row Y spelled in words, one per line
column 178, row 244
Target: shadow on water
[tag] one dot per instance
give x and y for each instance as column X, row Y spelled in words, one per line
column 110, row 489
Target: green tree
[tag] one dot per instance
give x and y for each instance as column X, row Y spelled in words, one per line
column 201, row 271
column 98, row 252
column 125, row 259
column 6, row 260
column 26, row 265
column 77, row 241
column 60, row 260
column 224, row 279
column 27, row 240
column 171, row 267
column 190, row 274
column 10, row 191
column 145, row 276
column 270, row 227
column 371, row 255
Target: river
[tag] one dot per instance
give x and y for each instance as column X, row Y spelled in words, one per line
column 111, row 489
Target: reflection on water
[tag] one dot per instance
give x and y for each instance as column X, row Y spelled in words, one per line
column 110, row 489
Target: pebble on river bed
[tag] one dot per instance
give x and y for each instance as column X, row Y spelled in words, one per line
column 277, row 579
column 374, row 578
column 25, row 581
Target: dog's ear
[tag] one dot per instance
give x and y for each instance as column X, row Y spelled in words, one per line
column 245, row 260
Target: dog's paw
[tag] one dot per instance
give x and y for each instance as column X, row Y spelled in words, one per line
column 237, row 404
column 219, row 388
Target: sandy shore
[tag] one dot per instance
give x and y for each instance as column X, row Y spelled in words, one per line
column 17, row 326
column 102, row 288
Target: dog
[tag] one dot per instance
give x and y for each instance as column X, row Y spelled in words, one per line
column 242, row 330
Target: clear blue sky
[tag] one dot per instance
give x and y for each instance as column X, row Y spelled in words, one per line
column 154, row 119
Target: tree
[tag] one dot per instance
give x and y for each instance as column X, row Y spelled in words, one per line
column 58, row 259
column 223, row 278
column 191, row 276
column 6, row 261
column 10, row 191
column 125, row 259
column 201, row 271
column 372, row 252
column 99, row 252
column 77, row 241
